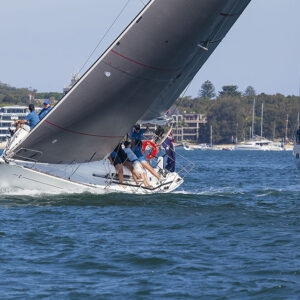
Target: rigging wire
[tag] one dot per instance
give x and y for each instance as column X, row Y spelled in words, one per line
column 186, row 89
column 105, row 34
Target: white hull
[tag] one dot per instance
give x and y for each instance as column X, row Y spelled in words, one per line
column 249, row 148
column 93, row 177
column 296, row 153
column 258, row 146
column 200, row 147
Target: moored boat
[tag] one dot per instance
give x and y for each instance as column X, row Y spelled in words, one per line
column 260, row 145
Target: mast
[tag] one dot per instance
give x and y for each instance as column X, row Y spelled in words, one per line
column 211, row 139
column 253, row 115
column 261, row 121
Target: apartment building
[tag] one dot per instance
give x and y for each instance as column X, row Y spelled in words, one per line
column 186, row 127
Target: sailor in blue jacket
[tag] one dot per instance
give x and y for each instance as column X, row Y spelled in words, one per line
column 137, row 134
column 31, row 119
column 45, row 110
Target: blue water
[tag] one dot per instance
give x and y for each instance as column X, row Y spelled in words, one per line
column 231, row 232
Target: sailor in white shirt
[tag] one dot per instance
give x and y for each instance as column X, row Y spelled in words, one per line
column 137, row 166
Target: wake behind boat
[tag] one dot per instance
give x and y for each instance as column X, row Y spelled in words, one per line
column 136, row 79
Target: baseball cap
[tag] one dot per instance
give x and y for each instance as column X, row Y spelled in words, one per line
column 126, row 143
column 47, row 102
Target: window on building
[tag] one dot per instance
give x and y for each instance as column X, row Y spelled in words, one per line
column 5, row 125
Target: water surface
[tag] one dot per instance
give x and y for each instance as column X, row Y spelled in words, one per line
column 231, row 231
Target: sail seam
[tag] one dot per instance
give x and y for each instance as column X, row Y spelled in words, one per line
column 230, row 15
column 82, row 133
column 143, row 65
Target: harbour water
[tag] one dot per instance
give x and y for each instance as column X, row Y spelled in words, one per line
column 231, row 231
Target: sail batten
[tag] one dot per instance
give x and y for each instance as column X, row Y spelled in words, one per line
column 137, row 78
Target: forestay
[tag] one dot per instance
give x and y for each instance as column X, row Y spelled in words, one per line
column 137, row 78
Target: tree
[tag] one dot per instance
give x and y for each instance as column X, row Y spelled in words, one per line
column 250, row 91
column 8, row 99
column 230, row 90
column 207, row 90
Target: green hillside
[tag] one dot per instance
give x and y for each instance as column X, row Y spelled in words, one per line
column 20, row 96
column 231, row 116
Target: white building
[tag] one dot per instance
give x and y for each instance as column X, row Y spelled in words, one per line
column 9, row 114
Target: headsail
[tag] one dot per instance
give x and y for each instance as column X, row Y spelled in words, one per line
column 138, row 77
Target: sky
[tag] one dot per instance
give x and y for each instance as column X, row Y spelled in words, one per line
column 44, row 41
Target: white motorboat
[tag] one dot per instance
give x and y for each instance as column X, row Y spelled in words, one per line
column 261, row 145
column 200, row 147
column 138, row 77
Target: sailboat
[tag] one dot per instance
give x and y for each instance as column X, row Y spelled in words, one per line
column 258, row 143
column 134, row 81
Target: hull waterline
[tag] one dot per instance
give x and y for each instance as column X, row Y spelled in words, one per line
column 93, row 178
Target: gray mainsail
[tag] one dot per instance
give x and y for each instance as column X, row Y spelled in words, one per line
column 138, row 77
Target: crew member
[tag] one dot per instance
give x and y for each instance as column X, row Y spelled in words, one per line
column 31, row 119
column 137, row 134
column 137, row 166
column 45, row 110
column 119, row 159
column 138, row 152
column 116, row 162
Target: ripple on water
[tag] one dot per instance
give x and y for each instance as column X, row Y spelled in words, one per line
column 231, row 231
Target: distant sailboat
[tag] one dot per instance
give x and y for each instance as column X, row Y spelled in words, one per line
column 136, row 79
column 258, row 143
